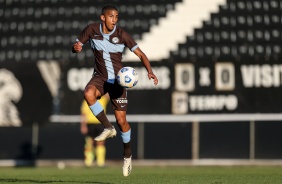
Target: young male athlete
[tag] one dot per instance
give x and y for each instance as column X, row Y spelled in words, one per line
column 108, row 41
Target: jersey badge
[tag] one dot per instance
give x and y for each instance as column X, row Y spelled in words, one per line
column 115, row 40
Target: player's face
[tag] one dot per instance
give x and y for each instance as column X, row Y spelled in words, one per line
column 109, row 19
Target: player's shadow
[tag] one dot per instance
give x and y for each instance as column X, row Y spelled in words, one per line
column 10, row 180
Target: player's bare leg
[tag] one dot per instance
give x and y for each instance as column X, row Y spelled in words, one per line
column 91, row 94
column 125, row 131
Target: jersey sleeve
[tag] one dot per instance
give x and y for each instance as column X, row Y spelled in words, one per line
column 85, row 35
column 129, row 41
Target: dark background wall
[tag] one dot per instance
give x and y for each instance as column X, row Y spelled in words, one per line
column 228, row 140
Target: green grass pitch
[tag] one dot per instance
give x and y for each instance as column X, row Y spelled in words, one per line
column 144, row 175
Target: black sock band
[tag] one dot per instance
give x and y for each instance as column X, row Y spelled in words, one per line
column 127, row 150
column 104, row 120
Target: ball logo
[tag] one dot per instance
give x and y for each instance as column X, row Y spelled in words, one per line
column 123, row 70
column 127, row 79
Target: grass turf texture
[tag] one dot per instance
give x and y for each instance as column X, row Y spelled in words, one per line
column 144, row 175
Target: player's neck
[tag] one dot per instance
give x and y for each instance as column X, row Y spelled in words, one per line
column 105, row 30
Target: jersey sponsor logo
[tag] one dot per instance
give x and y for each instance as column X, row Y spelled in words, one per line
column 115, row 40
column 121, row 100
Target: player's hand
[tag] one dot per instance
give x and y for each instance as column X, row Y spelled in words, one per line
column 152, row 76
column 77, row 47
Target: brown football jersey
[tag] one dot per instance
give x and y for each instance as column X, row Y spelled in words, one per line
column 107, row 49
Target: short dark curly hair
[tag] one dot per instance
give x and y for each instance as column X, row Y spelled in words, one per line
column 108, row 7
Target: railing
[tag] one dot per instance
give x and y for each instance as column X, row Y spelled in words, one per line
column 194, row 119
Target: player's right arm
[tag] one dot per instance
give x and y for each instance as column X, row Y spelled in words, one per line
column 83, row 37
column 77, row 47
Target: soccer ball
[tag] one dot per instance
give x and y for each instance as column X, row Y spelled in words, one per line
column 127, row 77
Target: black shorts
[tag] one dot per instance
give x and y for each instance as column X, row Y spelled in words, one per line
column 118, row 94
column 94, row 130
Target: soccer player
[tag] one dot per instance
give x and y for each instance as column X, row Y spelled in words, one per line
column 90, row 127
column 108, row 41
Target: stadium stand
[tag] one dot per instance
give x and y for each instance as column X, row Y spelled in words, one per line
column 173, row 29
column 241, row 30
column 38, row 29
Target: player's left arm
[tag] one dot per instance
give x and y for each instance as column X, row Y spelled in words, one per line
column 146, row 64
